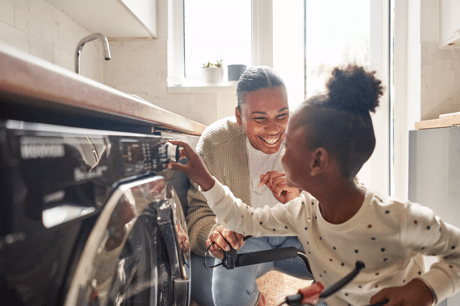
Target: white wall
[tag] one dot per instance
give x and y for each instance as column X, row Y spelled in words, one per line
column 440, row 81
column 440, row 68
column 139, row 67
column 36, row 27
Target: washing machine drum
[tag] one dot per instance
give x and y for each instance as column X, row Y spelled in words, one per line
column 137, row 253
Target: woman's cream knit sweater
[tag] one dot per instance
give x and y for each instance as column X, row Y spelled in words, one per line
column 222, row 147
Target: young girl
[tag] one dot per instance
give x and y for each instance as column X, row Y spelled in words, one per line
column 328, row 139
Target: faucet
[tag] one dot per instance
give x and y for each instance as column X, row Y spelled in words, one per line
column 83, row 41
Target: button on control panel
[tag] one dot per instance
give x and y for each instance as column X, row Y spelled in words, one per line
column 147, row 154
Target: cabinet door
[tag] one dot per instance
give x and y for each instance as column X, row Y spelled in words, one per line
column 434, row 178
column 145, row 11
column 445, row 32
column 455, row 16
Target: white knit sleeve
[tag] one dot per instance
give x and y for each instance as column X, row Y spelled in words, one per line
column 427, row 234
column 235, row 215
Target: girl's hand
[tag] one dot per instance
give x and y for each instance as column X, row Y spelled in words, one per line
column 414, row 293
column 220, row 244
column 194, row 168
column 276, row 182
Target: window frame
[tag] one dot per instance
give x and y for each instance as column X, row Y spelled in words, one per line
column 261, row 47
column 378, row 166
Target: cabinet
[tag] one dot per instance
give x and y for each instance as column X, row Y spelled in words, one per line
column 449, row 23
column 113, row 18
column 445, row 33
column 434, row 177
column 455, row 17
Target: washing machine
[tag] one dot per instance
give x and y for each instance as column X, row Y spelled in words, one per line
column 90, row 217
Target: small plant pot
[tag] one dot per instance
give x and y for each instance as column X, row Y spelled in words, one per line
column 212, row 75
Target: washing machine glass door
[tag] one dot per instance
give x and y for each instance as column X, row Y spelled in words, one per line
column 135, row 279
column 173, row 231
column 126, row 260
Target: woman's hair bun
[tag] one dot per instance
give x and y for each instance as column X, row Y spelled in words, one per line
column 354, row 89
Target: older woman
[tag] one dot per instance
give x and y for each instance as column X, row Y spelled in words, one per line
column 243, row 152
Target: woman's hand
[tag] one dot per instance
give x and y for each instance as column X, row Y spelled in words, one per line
column 217, row 236
column 276, row 182
column 414, row 293
column 194, row 168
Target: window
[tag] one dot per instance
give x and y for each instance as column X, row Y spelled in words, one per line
column 335, row 44
column 238, row 31
column 289, row 47
column 216, row 30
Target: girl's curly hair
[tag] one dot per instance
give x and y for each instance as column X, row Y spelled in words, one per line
column 354, row 89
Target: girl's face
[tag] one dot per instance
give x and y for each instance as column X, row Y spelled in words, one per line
column 296, row 157
column 264, row 116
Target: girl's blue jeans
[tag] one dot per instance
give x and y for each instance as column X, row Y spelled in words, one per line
column 221, row 287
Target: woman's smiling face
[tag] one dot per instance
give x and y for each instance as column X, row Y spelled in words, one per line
column 264, row 116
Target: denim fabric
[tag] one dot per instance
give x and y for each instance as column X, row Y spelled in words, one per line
column 222, row 287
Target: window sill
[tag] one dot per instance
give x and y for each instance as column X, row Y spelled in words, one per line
column 203, row 88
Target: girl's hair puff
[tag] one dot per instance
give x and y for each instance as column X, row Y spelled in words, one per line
column 354, row 89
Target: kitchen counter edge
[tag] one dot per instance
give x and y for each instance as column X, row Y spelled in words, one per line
column 30, row 77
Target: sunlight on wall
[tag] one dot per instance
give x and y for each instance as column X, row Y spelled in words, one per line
column 337, row 33
column 288, row 47
column 335, row 37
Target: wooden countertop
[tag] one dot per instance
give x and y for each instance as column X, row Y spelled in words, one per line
column 446, row 120
column 26, row 76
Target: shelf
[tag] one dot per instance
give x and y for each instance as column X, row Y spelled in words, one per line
column 449, row 35
column 446, row 120
column 199, row 88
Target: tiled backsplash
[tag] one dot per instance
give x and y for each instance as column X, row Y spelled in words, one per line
column 139, row 67
column 39, row 29
column 440, row 81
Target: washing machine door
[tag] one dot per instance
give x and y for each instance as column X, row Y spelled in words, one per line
column 137, row 252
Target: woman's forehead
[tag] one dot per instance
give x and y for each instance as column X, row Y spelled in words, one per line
column 266, row 99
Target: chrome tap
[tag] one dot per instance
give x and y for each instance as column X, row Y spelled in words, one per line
column 83, row 41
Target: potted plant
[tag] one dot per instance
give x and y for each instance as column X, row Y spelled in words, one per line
column 212, row 73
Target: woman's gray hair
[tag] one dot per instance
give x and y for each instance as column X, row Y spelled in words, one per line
column 255, row 78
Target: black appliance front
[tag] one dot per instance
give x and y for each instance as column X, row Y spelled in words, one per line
column 89, row 217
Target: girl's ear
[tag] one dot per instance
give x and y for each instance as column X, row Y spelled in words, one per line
column 319, row 161
column 238, row 116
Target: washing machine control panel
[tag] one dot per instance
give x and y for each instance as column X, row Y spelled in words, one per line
column 146, row 154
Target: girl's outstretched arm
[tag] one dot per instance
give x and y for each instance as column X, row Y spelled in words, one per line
column 231, row 212
column 194, row 168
